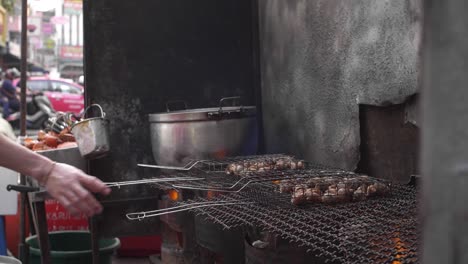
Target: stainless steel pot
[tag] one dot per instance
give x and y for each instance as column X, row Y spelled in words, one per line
column 208, row 133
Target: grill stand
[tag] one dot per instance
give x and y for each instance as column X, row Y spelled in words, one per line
column 273, row 249
column 178, row 237
column 225, row 246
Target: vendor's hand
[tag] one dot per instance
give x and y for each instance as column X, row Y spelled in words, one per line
column 72, row 188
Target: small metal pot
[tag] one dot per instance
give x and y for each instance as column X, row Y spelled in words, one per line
column 92, row 135
column 208, row 133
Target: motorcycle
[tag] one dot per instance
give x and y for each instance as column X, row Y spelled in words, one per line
column 38, row 111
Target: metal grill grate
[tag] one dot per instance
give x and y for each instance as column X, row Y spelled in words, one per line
column 374, row 231
column 222, row 182
column 220, row 165
column 208, row 166
column 381, row 230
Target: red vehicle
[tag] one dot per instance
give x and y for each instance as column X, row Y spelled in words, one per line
column 65, row 96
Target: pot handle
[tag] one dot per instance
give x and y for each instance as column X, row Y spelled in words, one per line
column 220, row 111
column 225, row 99
column 174, row 102
column 94, row 105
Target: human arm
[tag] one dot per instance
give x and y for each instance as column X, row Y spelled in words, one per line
column 67, row 184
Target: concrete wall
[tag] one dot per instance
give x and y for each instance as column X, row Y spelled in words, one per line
column 320, row 59
column 444, row 133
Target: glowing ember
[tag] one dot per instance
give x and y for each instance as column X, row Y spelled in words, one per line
column 400, row 247
column 173, row 195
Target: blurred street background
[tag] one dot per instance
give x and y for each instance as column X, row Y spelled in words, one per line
column 55, row 37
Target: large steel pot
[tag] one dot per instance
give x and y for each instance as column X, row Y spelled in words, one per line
column 208, row 133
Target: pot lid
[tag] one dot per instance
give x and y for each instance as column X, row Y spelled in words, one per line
column 201, row 114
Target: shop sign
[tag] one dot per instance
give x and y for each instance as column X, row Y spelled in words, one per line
column 71, row 52
column 59, row 20
column 3, row 26
column 72, row 7
column 47, row 28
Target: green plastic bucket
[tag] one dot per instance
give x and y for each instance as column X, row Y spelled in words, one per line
column 70, row 247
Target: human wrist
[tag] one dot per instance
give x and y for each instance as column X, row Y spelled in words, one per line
column 45, row 177
column 40, row 169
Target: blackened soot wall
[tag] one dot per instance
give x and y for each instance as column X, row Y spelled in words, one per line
column 141, row 54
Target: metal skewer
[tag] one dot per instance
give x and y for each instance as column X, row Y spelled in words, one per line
column 156, row 180
column 181, row 208
column 187, row 167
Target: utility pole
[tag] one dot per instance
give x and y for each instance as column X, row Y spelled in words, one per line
column 23, row 249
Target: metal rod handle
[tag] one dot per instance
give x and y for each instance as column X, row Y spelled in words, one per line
column 187, row 167
column 144, row 181
column 96, row 105
column 21, row 188
column 142, row 215
column 190, row 205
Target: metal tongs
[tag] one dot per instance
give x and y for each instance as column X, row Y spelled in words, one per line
column 154, row 180
column 181, row 208
column 61, row 121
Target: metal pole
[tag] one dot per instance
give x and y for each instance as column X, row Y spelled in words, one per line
column 24, row 63
column 23, row 250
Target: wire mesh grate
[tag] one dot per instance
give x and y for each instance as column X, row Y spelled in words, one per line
column 380, row 230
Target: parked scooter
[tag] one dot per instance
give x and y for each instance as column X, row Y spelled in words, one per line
column 38, row 111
